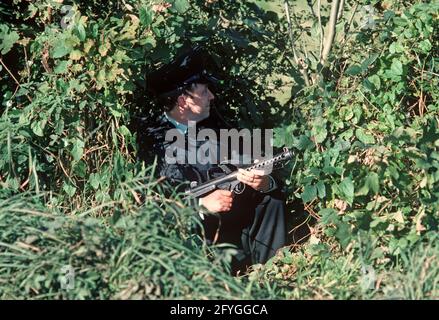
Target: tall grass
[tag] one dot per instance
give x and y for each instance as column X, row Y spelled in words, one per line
column 150, row 252
column 154, row 252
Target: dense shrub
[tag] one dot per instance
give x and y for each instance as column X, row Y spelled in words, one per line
column 362, row 120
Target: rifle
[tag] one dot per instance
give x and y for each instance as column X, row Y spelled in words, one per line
column 229, row 180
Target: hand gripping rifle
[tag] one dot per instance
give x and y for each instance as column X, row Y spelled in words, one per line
column 229, row 180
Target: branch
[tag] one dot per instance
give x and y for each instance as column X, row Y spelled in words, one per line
column 340, row 10
column 331, row 31
column 298, row 61
column 351, row 19
column 319, row 17
column 309, row 2
column 13, row 77
column 9, row 71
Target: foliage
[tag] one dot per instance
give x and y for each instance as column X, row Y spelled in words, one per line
column 369, row 135
column 317, row 273
column 137, row 256
column 365, row 133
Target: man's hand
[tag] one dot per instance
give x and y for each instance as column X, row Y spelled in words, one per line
column 255, row 179
column 218, row 201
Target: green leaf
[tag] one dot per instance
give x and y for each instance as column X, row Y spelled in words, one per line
column 354, row 70
column 115, row 217
column 321, row 189
column 81, row 32
column 346, row 190
column 364, row 137
column 77, row 150
column 101, row 76
column 366, row 63
column 388, row 14
column 61, row 48
column 403, row 243
column 75, row 55
column 81, row 169
column 69, row 189
column 124, row 131
column 371, row 184
column 425, row 45
column 7, row 39
column 38, row 127
column 328, row 215
column 302, row 143
column 149, row 42
column 181, row 5
column 319, row 132
column 309, row 193
column 368, row 85
column 375, row 80
column 62, row 67
column 377, row 223
column 400, row 21
column 396, row 67
column 145, row 15
column 270, row 7
column 396, row 47
column 115, row 112
column 343, row 234
column 94, row 181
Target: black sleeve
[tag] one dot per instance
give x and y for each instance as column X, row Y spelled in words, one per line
column 152, row 145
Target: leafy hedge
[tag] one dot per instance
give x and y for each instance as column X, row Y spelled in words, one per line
column 363, row 123
column 370, row 136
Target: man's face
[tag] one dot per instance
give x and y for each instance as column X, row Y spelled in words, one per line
column 198, row 102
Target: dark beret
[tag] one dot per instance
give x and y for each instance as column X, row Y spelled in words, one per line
column 190, row 67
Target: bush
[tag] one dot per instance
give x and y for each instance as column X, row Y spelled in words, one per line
column 363, row 121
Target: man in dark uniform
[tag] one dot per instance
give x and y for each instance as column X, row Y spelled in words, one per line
column 254, row 221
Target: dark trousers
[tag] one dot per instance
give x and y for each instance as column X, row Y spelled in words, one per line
column 255, row 224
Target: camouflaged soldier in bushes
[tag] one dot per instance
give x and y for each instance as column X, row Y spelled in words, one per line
column 254, row 221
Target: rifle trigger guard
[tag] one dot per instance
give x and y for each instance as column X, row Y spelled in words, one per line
column 239, row 188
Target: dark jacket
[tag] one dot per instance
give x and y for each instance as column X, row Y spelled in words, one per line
column 151, row 143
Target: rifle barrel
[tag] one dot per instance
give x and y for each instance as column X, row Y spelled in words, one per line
column 213, row 184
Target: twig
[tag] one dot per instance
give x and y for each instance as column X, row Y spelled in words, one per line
column 310, row 5
column 340, row 10
column 297, row 243
column 95, row 149
column 7, row 69
column 32, row 212
column 13, row 77
column 385, row 206
column 310, row 210
column 299, row 62
column 319, row 17
column 426, row 71
column 59, row 161
column 361, row 92
column 27, row 62
column 45, row 59
column 27, row 246
column 348, row 26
